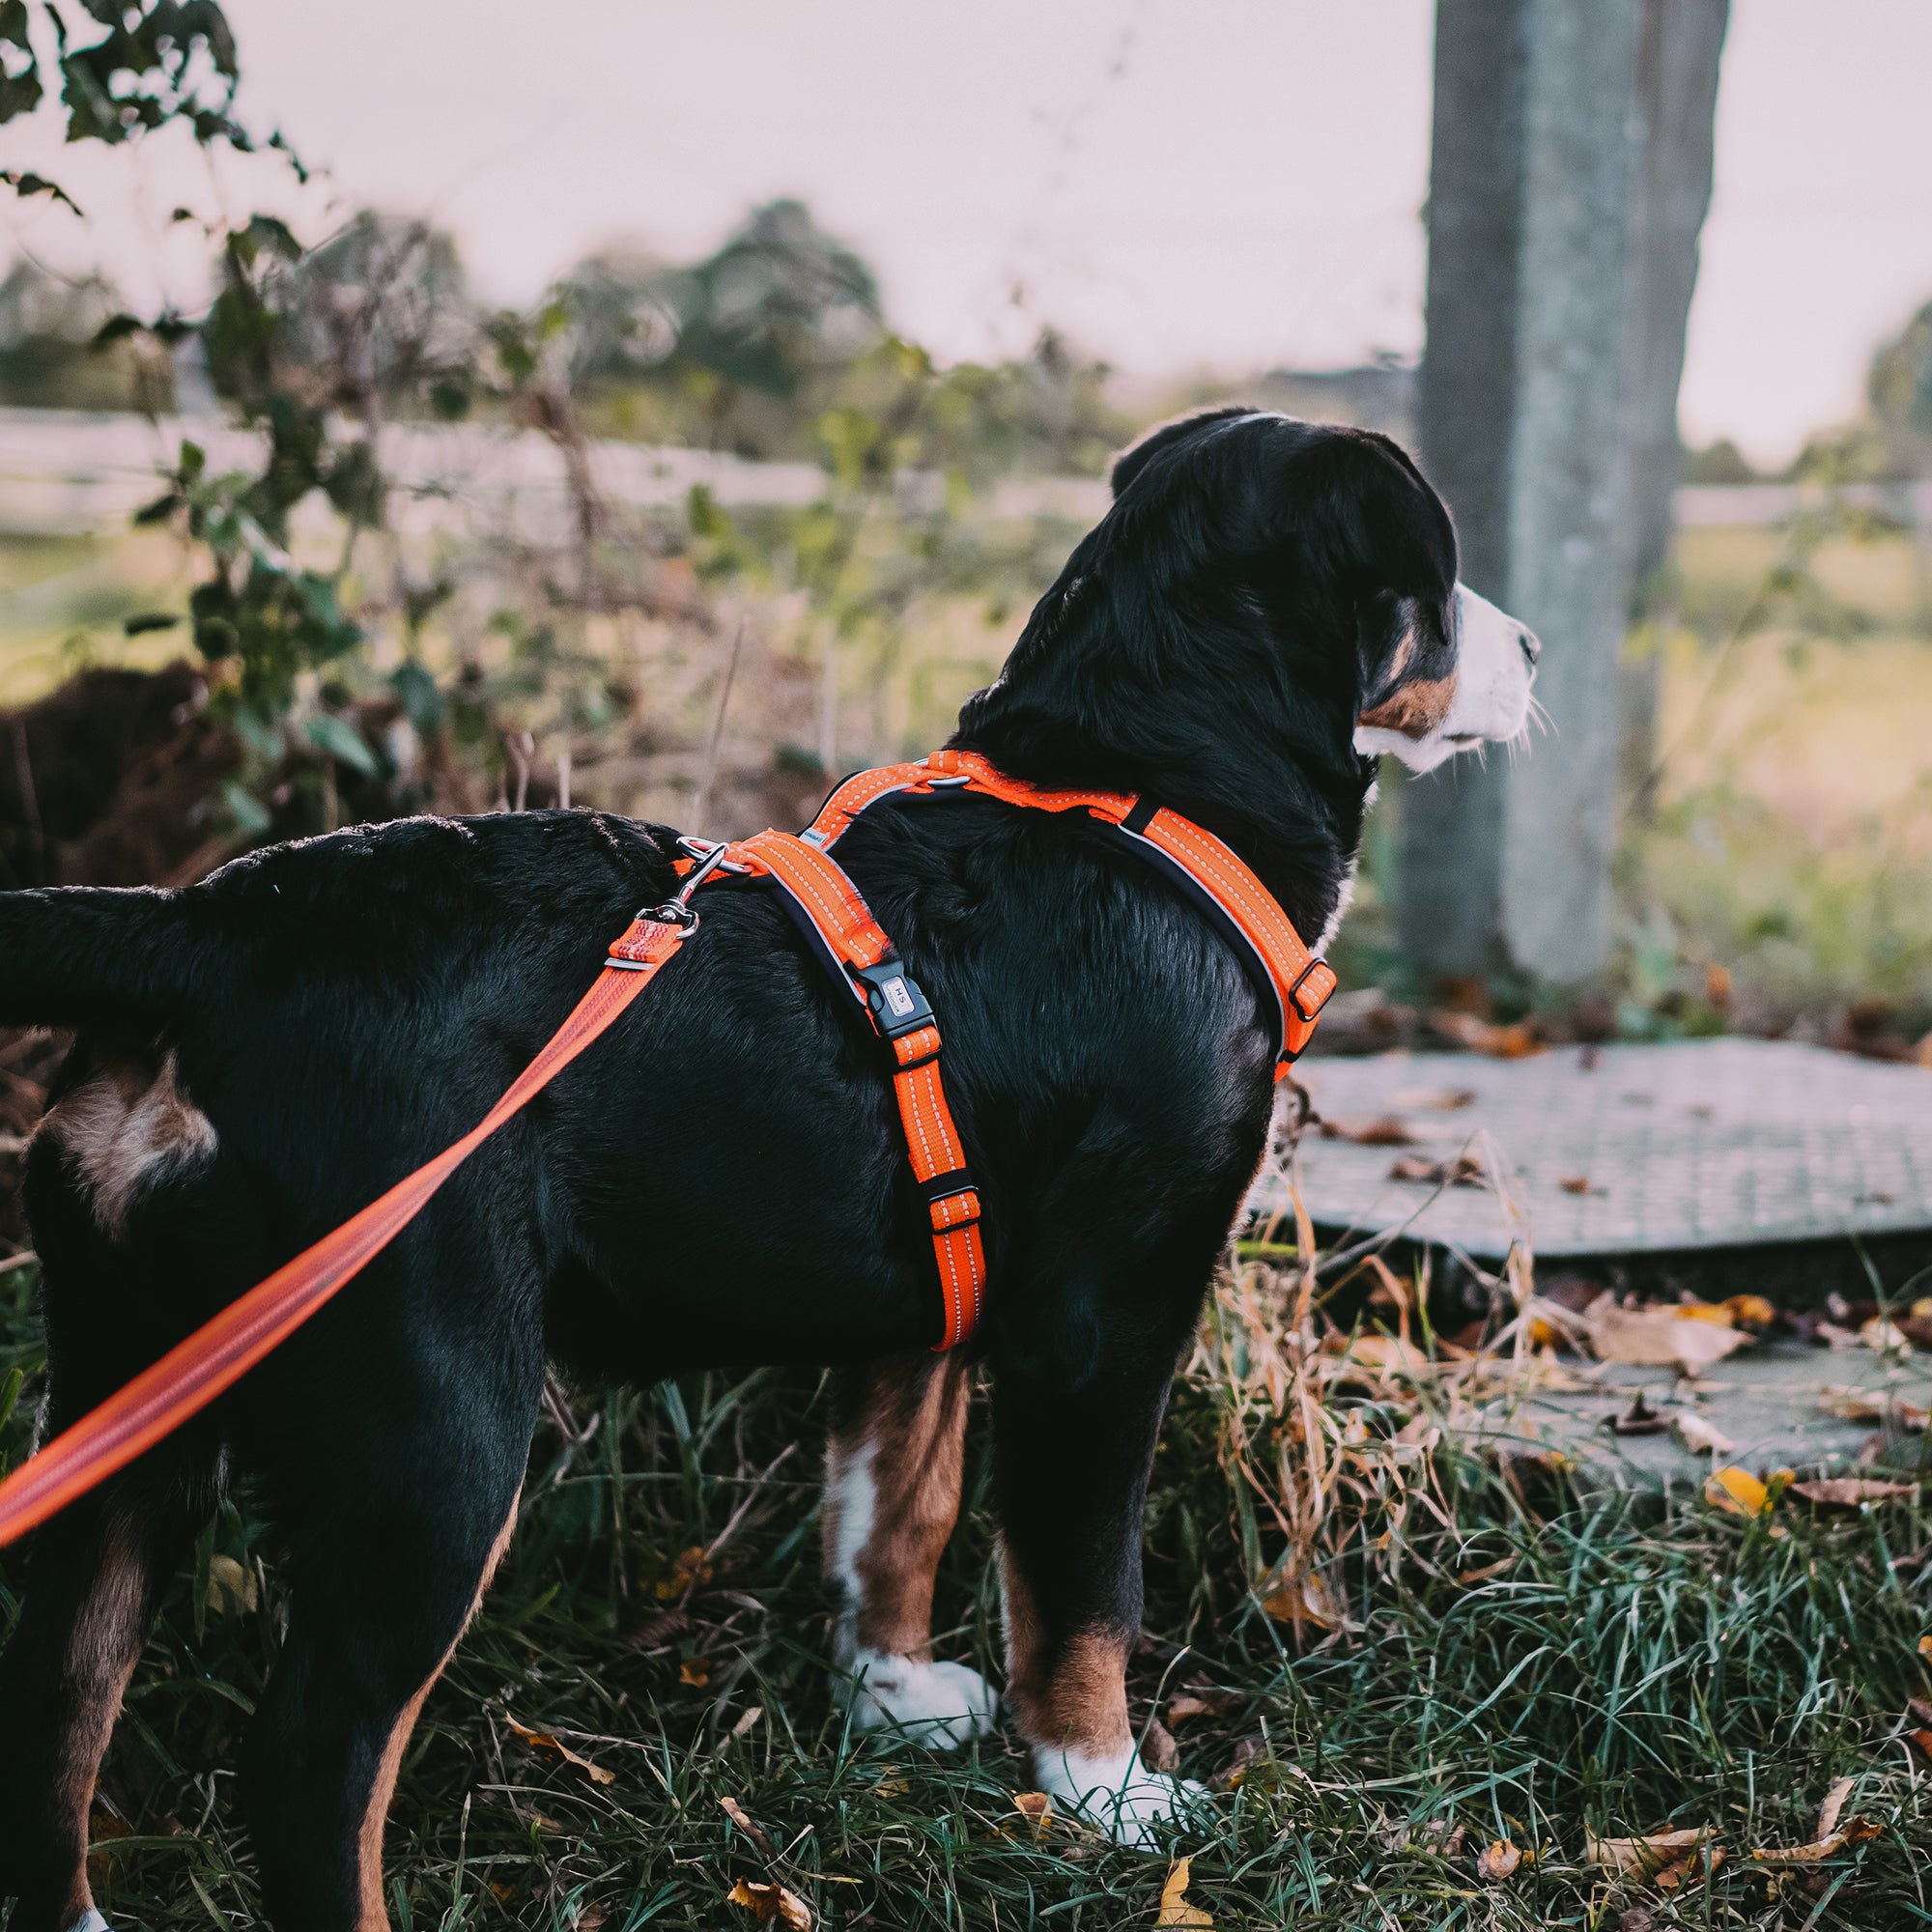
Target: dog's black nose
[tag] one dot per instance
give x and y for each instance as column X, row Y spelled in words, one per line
column 1532, row 649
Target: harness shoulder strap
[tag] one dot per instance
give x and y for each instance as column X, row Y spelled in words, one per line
column 862, row 959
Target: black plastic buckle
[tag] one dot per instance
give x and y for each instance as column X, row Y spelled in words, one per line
column 1294, row 992
column 893, row 999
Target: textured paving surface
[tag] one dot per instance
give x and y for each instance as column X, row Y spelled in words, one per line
column 1697, row 1144
column 1766, row 1399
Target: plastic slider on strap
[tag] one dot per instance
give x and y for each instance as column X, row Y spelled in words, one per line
column 1320, row 978
column 951, row 1200
column 892, row 998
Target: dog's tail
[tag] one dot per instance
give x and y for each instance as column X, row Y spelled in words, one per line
column 97, row 955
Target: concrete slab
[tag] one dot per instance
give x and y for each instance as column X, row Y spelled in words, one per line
column 1766, row 1399
column 1625, row 1149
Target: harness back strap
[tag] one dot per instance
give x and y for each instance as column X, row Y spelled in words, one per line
column 1204, row 866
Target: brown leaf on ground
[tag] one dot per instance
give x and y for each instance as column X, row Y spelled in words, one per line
column 771, row 1902
column 1175, row 1909
column 1304, row 1599
column 1832, row 1804
column 1663, row 1338
column 1850, row 1492
column 1035, row 1807
column 1197, row 1700
column 1464, row 1171
column 1158, row 1750
column 688, row 1569
column 1576, row 1184
column 1752, row 1308
column 1698, row 1864
column 1642, row 1858
column 1856, row 1404
column 1499, row 1043
column 1368, row 1129
column 1700, row 1438
column 1432, row 1100
column 543, row 1741
column 1639, row 1419
column 1496, row 1862
column 695, row 1672
column 1854, row 1831
column 590, row 1918
column 738, row 1815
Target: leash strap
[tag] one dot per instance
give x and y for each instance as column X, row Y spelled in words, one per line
column 212, row 1360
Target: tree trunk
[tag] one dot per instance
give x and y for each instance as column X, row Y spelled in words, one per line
column 1539, row 324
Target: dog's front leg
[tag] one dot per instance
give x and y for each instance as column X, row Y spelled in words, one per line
column 1073, row 1469
column 892, row 1496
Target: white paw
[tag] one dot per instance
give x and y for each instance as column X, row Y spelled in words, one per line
column 1116, row 1793
column 939, row 1705
column 93, row 1923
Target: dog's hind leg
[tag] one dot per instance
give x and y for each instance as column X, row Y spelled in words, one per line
column 892, row 1496
column 91, row 1581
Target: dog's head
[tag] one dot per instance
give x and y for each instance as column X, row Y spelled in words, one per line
column 1267, row 604
column 1325, row 530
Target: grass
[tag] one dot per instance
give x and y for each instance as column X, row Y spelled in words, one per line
column 1520, row 1662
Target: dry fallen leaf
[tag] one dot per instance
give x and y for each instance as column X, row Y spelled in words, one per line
column 1921, row 1742
column 1438, row 1099
column 1850, row 1492
column 1752, row 1308
column 589, row 1917
column 1495, row 1863
column 1499, row 1043
column 1304, row 1599
column 1175, row 1909
column 695, row 1672
column 1642, row 1858
column 1576, row 1184
column 1693, row 1866
column 1158, row 1750
column 1699, row 1437
column 1368, row 1129
column 230, row 1586
column 1854, row 1831
column 1737, row 1490
column 1464, row 1171
column 1663, row 1338
column 1882, row 1337
column 1468, row 1579
column 1035, row 1807
column 738, row 1815
column 749, row 1719
column 768, row 1902
column 543, row 1741
column 1856, row 1404
column 688, row 1569
column 1833, row 1802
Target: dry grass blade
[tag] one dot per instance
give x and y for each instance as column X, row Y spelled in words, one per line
column 738, row 1815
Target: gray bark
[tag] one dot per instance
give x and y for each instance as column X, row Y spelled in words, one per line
column 1526, row 423
column 1677, row 92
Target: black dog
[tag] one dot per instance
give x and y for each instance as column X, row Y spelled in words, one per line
column 262, row 1054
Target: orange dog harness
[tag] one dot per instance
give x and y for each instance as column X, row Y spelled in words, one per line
column 850, row 940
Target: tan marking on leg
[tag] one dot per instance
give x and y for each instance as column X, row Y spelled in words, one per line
column 1416, row 709
column 102, row 1650
column 899, row 1469
column 120, row 1127
column 374, row 1915
column 1075, row 1700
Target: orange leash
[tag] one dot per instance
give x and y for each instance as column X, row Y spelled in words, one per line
column 212, row 1360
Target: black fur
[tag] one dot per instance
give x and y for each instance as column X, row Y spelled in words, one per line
column 343, row 1008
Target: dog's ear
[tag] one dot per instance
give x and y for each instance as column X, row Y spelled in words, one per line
column 1364, row 519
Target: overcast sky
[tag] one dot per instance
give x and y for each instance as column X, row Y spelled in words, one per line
column 1177, row 184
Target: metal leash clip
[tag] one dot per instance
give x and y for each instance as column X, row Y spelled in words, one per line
column 677, row 910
